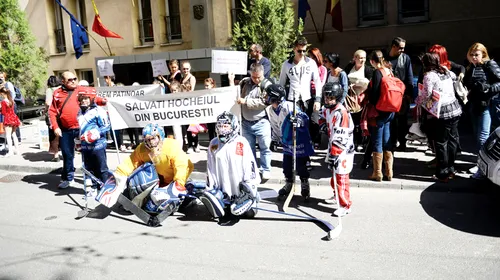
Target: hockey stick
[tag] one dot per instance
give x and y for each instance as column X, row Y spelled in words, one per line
column 85, row 211
column 338, row 229
column 294, row 167
column 326, row 226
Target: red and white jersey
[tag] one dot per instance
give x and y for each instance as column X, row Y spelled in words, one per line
column 230, row 163
column 340, row 135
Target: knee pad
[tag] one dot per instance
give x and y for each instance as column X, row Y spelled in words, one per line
column 160, row 198
column 195, row 188
column 213, row 201
column 144, row 177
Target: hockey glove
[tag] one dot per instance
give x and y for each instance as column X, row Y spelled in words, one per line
column 333, row 162
column 90, row 136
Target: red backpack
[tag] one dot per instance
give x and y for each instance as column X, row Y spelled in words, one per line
column 392, row 90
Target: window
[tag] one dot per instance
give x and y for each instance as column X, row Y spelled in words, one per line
column 59, row 29
column 87, row 75
column 145, row 22
column 236, row 10
column 413, row 11
column 371, row 12
column 81, row 16
column 173, row 20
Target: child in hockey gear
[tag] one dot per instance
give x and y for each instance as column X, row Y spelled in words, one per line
column 341, row 146
column 232, row 173
column 273, row 113
column 276, row 98
column 94, row 124
column 171, row 164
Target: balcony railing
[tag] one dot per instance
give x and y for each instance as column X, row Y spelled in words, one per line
column 60, row 42
column 173, row 25
column 146, row 31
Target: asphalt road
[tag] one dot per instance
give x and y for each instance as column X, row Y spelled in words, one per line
column 391, row 234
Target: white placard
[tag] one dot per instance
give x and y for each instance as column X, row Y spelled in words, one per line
column 160, row 67
column 202, row 106
column 105, row 67
column 118, row 92
column 43, row 130
column 224, row 62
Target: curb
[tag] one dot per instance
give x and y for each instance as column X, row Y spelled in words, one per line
column 396, row 184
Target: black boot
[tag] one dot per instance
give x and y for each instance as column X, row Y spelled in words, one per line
column 286, row 189
column 305, row 188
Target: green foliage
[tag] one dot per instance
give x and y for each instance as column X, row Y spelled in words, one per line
column 270, row 23
column 25, row 63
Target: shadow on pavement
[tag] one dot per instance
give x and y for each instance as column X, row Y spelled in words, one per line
column 473, row 208
column 51, row 180
column 40, row 156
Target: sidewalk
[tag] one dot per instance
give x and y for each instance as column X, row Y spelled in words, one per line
column 410, row 170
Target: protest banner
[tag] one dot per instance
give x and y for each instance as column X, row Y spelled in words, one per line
column 224, row 62
column 201, row 106
column 105, row 67
column 159, row 67
column 118, row 92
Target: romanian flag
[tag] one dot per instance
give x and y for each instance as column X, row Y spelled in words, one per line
column 333, row 8
column 99, row 28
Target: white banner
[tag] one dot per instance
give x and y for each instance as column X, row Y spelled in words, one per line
column 201, row 106
column 224, row 62
column 119, row 92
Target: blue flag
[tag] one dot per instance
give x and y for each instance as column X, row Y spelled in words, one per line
column 80, row 38
column 303, row 8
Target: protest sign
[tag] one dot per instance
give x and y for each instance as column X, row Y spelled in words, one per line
column 105, row 67
column 159, row 67
column 224, row 62
column 201, row 106
column 118, row 92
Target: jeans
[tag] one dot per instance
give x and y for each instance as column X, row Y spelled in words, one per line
column 381, row 133
column 481, row 121
column 95, row 161
column 261, row 131
column 446, row 141
column 67, row 144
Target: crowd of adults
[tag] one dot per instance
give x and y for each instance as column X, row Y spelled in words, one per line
column 377, row 134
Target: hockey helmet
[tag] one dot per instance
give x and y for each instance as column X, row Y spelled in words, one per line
column 227, row 126
column 275, row 94
column 83, row 93
column 152, row 129
column 332, row 90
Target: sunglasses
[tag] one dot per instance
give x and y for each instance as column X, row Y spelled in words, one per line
column 185, row 69
column 301, row 51
column 72, row 79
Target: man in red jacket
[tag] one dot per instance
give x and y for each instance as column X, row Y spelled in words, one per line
column 62, row 114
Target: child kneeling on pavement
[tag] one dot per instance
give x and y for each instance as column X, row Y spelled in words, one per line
column 304, row 148
column 94, row 124
column 341, row 147
column 232, row 173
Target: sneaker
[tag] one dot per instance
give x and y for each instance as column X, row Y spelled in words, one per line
column 91, row 193
column 286, row 189
column 331, row 200
column 474, row 169
column 189, row 151
column 341, row 212
column 65, row 184
column 478, row 175
column 305, row 189
column 266, row 175
column 197, row 150
column 123, row 148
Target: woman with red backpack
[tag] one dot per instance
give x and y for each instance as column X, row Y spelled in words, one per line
column 379, row 121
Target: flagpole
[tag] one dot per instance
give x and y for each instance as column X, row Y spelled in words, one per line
column 324, row 21
column 109, row 48
column 314, row 23
column 81, row 26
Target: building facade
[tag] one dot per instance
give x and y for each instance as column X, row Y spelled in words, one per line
column 372, row 24
column 151, row 29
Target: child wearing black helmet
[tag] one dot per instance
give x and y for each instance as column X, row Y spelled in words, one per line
column 276, row 98
column 341, row 147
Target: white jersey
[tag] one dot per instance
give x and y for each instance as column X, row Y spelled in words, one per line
column 230, row 163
